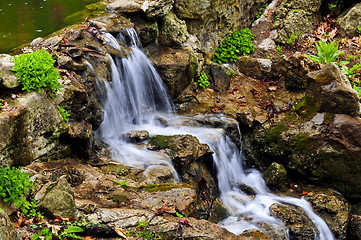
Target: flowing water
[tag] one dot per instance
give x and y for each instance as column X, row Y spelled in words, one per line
column 137, row 100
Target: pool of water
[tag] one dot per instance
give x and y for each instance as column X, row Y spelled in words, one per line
column 23, row 20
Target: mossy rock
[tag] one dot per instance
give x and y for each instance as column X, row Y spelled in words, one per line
column 116, row 169
column 165, row 186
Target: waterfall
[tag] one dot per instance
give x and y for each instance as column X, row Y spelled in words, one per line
column 136, row 100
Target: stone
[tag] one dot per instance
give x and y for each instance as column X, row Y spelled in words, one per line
column 157, row 8
column 137, row 136
column 354, row 228
column 254, row 67
column 218, row 77
column 127, row 6
column 349, row 20
column 31, row 131
column 332, row 91
column 172, row 31
column 8, row 80
column 296, row 220
column 174, row 67
column 333, row 208
column 157, row 174
column 58, row 200
column 7, row 229
column 81, row 138
column 275, row 175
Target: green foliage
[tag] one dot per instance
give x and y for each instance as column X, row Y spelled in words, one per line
column 123, row 183
column 358, row 30
column 1, row 103
column 296, row 10
column 261, row 11
column 353, row 75
column 14, row 186
column 69, row 232
column 327, row 52
column 279, row 50
column 203, row 80
column 291, row 41
column 239, row 43
column 36, row 71
column 335, row 4
column 145, row 233
column 231, row 74
column 179, row 215
column 64, row 114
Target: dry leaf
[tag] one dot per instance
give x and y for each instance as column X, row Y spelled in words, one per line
column 120, row 232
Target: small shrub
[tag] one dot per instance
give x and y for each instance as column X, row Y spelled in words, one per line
column 203, row 81
column 327, row 52
column 15, row 185
column 231, row 74
column 279, row 50
column 64, row 114
column 291, row 41
column 358, row 30
column 36, row 71
column 239, row 43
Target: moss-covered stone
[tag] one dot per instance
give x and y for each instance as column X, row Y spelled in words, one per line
column 305, row 107
column 116, row 169
column 165, row 187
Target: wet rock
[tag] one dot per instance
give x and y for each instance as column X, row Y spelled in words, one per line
column 354, row 228
column 75, row 52
column 332, row 91
column 137, row 136
column 255, row 234
column 81, row 138
column 8, row 80
column 65, row 62
column 184, row 149
column 157, row 8
column 173, row 31
column 254, row 67
column 7, row 229
column 147, row 32
column 349, row 20
column 58, row 200
column 296, row 220
column 111, row 23
column 275, row 175
column 53, row 43
column 174, row 68
column 246, row 189
column 333, row 208
column 31, row 131
column 160, row 174
column 218, row 77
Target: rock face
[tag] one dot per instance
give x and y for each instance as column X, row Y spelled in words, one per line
column 332, row 91
column 7, row 230
column 8, row 80
column 349, row 21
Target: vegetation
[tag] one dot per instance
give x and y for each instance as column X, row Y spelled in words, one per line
column 353, row 74
column 15, row 185
column 279, row 50
column 327, row 52
column 64, row 114
column 291, row 41
column 165, row 186
column 36, row 71
column 1, row 103
column 203, row 81
column 260, row 13
column 239, row 43
column 68, row 232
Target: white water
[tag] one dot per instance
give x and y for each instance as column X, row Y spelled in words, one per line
column 135, row 101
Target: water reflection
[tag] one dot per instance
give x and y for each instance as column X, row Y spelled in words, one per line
column 23, row 20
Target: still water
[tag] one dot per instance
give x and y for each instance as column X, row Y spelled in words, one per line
column 23, row 20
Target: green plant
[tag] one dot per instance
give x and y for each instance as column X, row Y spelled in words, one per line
column 332, row 6
column 358, row 30
column 296, row 10
column 64, row 114
column 179, row 215
column 279, row 50
column 291, row 41
column 231, row 74
column 238, row 43
column 14, row 186
column 69, row 232
column 203, row 81
column 1, row 103
column 261, row 11
column 145, row 233
column 36, row 71
column 327, row 52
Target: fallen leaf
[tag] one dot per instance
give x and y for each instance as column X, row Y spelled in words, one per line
column 120, row 232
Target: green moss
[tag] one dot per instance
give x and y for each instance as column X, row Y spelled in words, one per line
column 165, row 187
column 323, row 79
column 274, row 134
column 90, row 11
column 305, row 107
column 301, row 143
column 329, row 117
column 116, row 169
column 159, row 141
column 119, row 198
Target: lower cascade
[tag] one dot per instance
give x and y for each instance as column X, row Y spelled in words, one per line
column 138, row 100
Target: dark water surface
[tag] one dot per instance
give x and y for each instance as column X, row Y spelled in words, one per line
column 23, row 20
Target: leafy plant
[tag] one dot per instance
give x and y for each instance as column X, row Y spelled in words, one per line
column 279, row 50
column 327, row 52
column 231, row 74
column 332, row 6
column 358, row 30
column 36, row 71
column 179, row 215
column 1, row 103
column 239, row 43
column 291, row 41
column 64, row 114
column 203, row 81
column 69, row 232
column 261, row 11
column 14, row 186
column 296, row 10
column 145, row 233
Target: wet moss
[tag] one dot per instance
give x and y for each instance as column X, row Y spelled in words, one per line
column 90, row 11
column 274, row 134
column 301, row 143
column 305, row 107
column 165, row 186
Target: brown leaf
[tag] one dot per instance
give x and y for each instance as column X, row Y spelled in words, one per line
column 120, row 232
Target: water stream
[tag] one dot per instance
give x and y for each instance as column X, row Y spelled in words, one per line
column 137, row 99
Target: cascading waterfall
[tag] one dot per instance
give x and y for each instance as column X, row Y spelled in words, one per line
column 136, row 99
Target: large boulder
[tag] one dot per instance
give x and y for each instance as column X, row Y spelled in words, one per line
column 332, row 91
column 7, row 229
column 349, row 20
column 31, row 131
column 8, row 80
column 173, row 31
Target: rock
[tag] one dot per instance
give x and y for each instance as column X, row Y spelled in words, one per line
column 332, row 91
column 157, row 8
column 254, row 67
column 255, row 234
column 31, row 131
column 172, row 31
column 354, row 228
column 81, row 138
column 184, row 149
column 8, row 80
column 333, row 208
column 65, row 62
column 174, row 67
column 137, row 136
column 127, row 6
column 147, row 32
column 218, row 77
column 296, row 220
column 349, row 20
column 7, row 229
column 53, row 43
column 58, row 200
column 156, row 174
column 246, row 189
column 275, row 175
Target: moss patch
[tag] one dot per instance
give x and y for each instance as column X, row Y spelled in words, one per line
column 323, row 79
column 165, row 187
column 305, row 107
column 116, row 169
column 119, row 198
column 274, row 134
